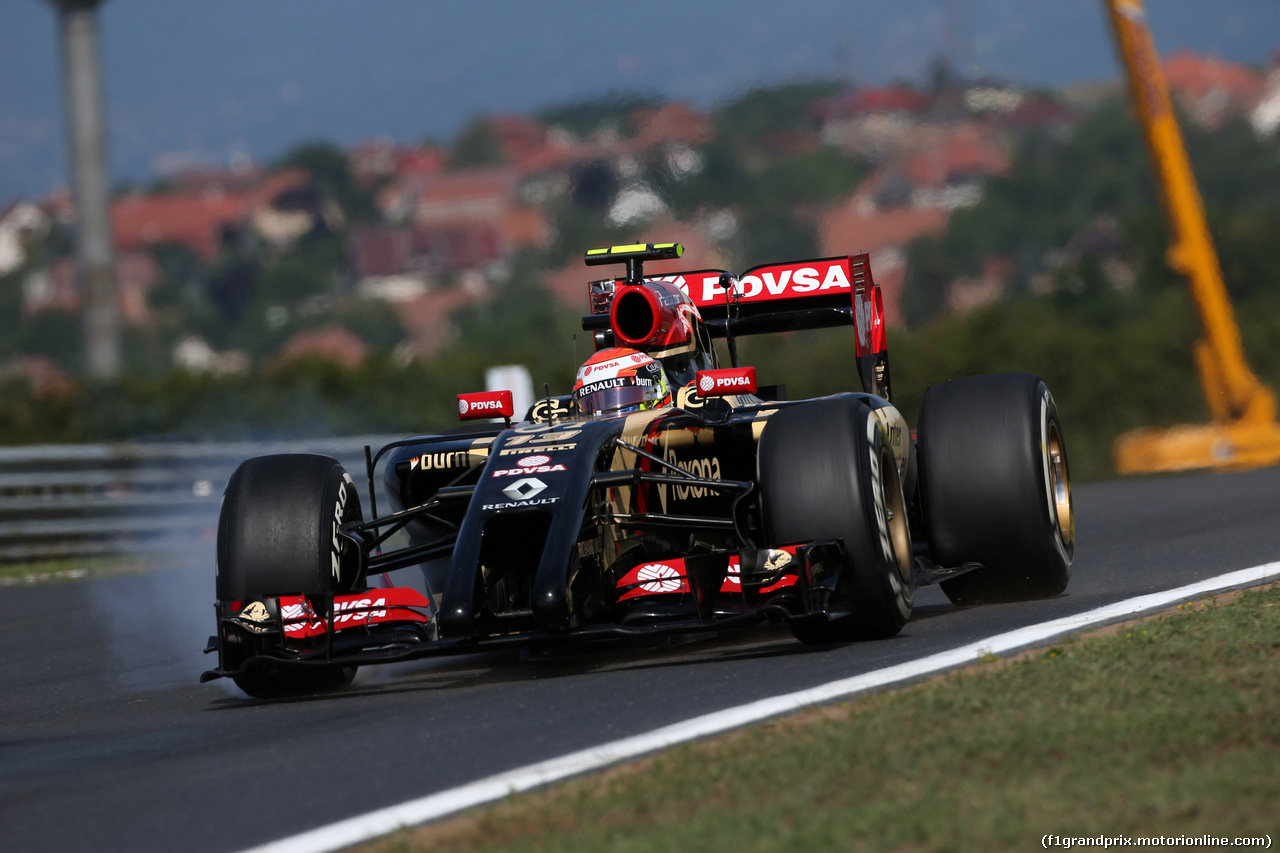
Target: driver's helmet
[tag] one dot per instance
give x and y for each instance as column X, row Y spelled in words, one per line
column 619, row 379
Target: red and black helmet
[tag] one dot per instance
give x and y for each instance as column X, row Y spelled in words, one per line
column 619, row 379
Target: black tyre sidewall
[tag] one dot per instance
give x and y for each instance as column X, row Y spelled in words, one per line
column 985, row 486
column 277, row 529
column 821, row 475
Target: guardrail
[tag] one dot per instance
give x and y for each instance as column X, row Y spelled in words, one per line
column 104, row 499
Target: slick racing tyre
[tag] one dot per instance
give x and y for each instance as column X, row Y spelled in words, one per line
column 826, row 472
column 277, row 535
column 995, row 487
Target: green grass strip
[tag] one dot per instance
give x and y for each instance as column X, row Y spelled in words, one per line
column 1167, row 726
column 73, row 569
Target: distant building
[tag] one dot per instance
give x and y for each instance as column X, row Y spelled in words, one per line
column 194, row 355
column 1040, row 112
column 871, row 121
column 42, row 375
column 389, row 263
column 428, row 319
column 383, row 159
column 866, row 101
column 21, row 224
column 332, row 343
column 278, row 207
column 468, row 219
column 911, row 195
column 856, row 227
column 286, row 207
column 1211, row 89
column 204, row 223
column 670, row 124
column 57, row 287
column 519, row 137
column 1266, row 115
column 948, row 169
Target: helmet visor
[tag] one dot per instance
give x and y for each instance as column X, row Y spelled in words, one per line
column 612, row 395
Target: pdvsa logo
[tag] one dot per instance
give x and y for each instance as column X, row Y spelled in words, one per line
column 713, row 383
column 528, row 469
column 533, row 461
column 472, row 407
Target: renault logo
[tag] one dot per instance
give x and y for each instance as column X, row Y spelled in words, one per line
column 524, row 489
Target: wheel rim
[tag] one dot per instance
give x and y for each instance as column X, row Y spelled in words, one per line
column 896, row 515
column 1060, row 485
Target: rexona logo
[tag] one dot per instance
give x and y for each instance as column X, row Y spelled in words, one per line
column 717, row 383
column 485, row 405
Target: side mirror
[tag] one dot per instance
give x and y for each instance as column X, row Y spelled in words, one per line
column 721, row 383
column 483, row 405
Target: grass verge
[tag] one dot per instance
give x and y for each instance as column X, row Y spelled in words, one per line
column 1167, row 726
column 72, row 569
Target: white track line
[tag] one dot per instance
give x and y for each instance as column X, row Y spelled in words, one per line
column 355, row 830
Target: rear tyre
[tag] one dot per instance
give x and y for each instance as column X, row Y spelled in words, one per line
column 995, row 487
column 277, row 535
column 826, row 472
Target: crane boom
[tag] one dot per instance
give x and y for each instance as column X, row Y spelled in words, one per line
column 1244, row 433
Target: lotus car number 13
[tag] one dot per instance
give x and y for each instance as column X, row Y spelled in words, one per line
column 668, row 492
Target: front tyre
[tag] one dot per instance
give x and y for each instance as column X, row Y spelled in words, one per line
column 995, row 487
column 278, row 535
column 826, row 471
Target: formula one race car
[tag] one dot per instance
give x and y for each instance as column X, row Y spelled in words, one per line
column 665, row 495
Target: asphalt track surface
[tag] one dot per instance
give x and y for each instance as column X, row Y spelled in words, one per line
column 107, row 742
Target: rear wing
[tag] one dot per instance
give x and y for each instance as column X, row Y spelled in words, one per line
column 812, row 294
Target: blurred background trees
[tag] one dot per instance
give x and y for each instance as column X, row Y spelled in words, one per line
column 283, row 335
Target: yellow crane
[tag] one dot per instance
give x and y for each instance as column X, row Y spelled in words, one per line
column 1243, row 433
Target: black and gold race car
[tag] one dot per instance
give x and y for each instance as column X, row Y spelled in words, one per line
column 700, row 501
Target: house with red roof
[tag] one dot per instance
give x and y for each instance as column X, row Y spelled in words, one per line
column 469, row 218
column 949, row 165
column 870, row 100
column 204, row 223
column 519, row 137
column 1212, row 90
column 871, row 121
column 331, row 343
column 669, row 124
column 884, row 233
column 380, row 159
